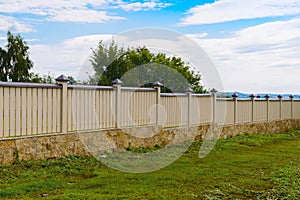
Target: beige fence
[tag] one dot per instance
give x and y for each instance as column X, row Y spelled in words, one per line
column 31, row 109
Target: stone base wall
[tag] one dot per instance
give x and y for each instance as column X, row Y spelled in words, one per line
column 94, row 142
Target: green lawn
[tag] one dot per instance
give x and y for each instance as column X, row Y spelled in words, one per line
column 243, row 167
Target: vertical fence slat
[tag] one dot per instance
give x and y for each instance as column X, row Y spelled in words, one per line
column 29, row 114
column 44, row 110
column 12, row 111
column 35, row 111
column 24, row 111
column 1, row 111
column 78, row 110
column 6, row 112
column 54, row 111
column 93, row 106
column 99, row 109
column 58, row 110
column 49, row 111
column 18, row 112
column 40, row 111
column 70, row 108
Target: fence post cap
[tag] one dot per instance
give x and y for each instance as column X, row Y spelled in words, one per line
column 291, row 96
column 62, row 78
column 267, row 96
column 279, row 97
column 213, row 90
column 252, row 96
column 234, row 95
column 189, row 90
column 117, row 82
column 258, row 96
column 157, row 84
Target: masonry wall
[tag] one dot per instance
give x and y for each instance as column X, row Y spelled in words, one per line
column 86, row 143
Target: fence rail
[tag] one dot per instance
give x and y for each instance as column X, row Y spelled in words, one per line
column 31, row 109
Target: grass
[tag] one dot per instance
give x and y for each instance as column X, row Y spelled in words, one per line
column 243, row 167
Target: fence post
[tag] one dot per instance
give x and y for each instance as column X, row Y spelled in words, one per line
column 63, row 81
column 235, row 96
column 117, row 85
column 292, row 106
column 252, row 107
column 189, row 92
column 268, row 109
column 157, row 85
column 214, row 95
column 280, row 106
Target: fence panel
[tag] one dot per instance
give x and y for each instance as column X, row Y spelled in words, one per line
column 195, row 110
column 28, row 109
column 286, row 109
column 297, row 109
column 244, row 111
column 260, row 110
column 205, row 108
column 176, row 110
column 90, row 109
column 136, row 107
column 274, row 110
column 229, row 117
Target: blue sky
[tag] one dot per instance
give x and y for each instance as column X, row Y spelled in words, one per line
column 255, row 45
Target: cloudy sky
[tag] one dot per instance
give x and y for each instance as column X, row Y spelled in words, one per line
column 255, row 45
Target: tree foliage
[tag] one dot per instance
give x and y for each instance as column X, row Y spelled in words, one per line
column 14, row 61
column 139, row 67
column 102, row 57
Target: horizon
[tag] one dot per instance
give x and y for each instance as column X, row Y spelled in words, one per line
column 254, row 45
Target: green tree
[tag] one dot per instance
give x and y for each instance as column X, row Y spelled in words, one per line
column 102, row 57
column 14, row 61
column 139, row 67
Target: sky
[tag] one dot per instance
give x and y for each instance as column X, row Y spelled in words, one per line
column 254, row 45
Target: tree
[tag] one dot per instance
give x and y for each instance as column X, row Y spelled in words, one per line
column 14, row 61
column 102, row 57
column 139, row 67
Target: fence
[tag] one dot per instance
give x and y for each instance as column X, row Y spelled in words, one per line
column 31, row 109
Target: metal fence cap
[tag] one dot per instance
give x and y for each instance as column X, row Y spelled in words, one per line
column 117, row 82
column 157, row 84
column 213, row 90
column 62, row 78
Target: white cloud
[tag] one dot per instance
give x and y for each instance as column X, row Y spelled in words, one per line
column 10, row 23
column 148, row 5
column 62, row 11
column 69, row 57
column 83, row 16
column 262, row 58
column 82, row 11
column 198, row 36
column 230, row 10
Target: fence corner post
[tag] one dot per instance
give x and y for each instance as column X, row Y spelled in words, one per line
column 157, row 85
column 235, row 96
column 63, row 81
column 214, row 95
column 252, row 107
column 268, row 107
column 280, row 106
column 117, row 85
column 189, row 92
column 292, row 106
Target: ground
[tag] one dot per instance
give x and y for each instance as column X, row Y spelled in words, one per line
column 242, row 167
